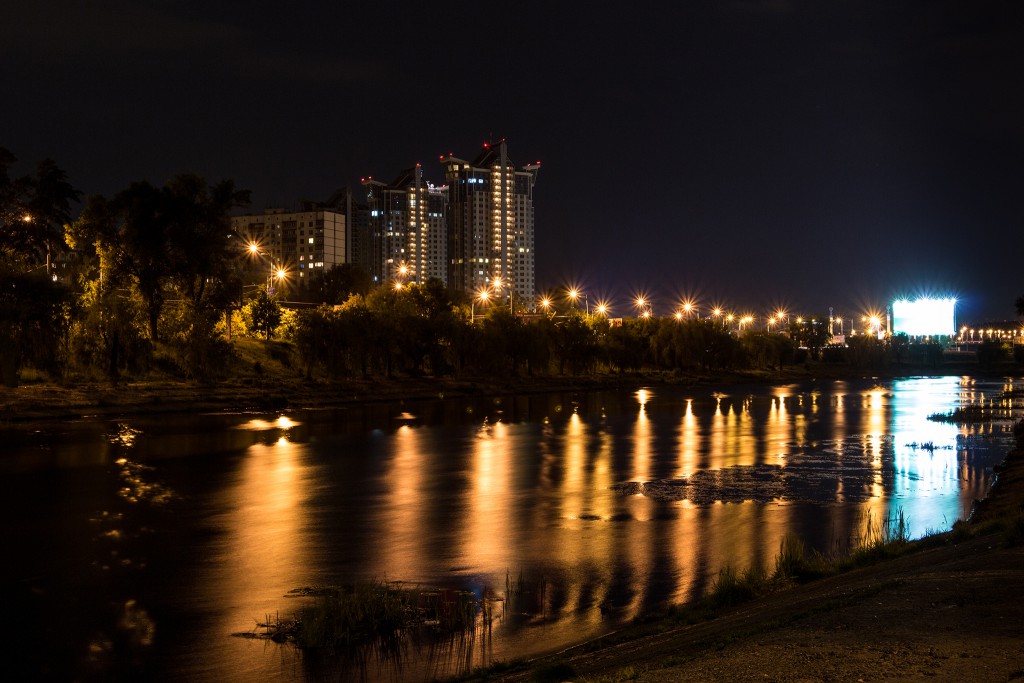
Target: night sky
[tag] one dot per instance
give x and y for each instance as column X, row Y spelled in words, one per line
column 751, row 153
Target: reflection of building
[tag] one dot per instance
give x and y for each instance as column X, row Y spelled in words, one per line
column 307, row 241
column 490, row 221
column 407, row 228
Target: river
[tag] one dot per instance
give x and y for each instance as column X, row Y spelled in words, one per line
column 141, row 548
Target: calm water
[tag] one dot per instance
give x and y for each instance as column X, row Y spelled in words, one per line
column 135, row 549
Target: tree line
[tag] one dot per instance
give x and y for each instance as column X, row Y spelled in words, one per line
column 161, row 283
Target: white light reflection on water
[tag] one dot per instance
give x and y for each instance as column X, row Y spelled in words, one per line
column 615, row 503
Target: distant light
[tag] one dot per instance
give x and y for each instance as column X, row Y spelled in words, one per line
column 925, row 316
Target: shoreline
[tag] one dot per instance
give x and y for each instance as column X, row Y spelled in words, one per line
column 938, row 612
column 948, row 610
column 50, row 401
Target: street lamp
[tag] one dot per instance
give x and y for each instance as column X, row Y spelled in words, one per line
column 482, row 296
column 496, row 284
column 279, row 274
column 602, row 308
column 643, row 306
column 545, row 303
column 575, row 294
column 276, row 272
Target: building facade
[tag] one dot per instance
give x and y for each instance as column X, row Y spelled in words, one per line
column 407, row 228
column 303, row 242
column 491, row 222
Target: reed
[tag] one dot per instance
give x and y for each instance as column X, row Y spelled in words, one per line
column 377, row 613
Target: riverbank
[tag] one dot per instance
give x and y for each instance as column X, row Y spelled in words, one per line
column 951, row 610
column 277, row 388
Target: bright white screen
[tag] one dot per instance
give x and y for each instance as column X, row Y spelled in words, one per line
column 924, row 317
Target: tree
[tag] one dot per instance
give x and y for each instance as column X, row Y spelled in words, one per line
column 811, row 333
column 336, row 284
column 33, row 323
column 264, row 313
column 199, row 237
column 33, row 211
column 158, row 237
column 899, row 344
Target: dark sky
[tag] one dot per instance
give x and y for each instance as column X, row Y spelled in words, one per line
column 754, row 153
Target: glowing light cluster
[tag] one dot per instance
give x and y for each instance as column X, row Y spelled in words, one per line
column 924, row 317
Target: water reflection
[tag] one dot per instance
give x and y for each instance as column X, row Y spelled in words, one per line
column 608, row 505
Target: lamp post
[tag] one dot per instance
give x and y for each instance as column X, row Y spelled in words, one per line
column 643, row 306
column 496, row 283
column 575, row 294
column 255, row 252
column 483, row 295
column 545, row 303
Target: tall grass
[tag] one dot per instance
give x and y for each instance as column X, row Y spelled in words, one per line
column 795, row 563
column 377, row 613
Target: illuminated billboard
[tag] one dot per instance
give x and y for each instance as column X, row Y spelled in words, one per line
column 924, row 317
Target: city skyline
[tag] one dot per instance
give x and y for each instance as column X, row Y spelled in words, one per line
column 765, row 153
